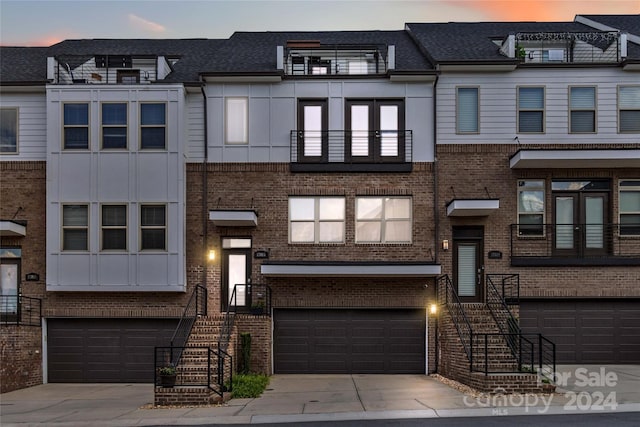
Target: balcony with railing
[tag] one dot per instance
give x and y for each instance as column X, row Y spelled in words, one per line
column 311, row 58
column 106, row 69
column 351, row 151
column 575, row 244
column 567, row 47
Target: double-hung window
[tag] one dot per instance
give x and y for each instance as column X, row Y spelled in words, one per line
column 628, row 109
column 383, row 220
column 530, row 109
column 8, row 130
column 467, row 110
column 114, row 125
column 316, row 219
column 237, row 120
column 114, row 227
column 375, row 130
column 630, row 207
column 76, row 126
column 153, row 227
column 75, row 227
column 153, row 126
column 530, row 207
column 582, row 106
column 312, row 141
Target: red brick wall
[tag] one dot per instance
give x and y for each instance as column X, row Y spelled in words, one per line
column 481, row 171
column 21, row 355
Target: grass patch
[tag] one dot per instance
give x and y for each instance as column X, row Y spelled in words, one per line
column 249, row 385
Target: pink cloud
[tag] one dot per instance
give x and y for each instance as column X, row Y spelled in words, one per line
column 145, row 24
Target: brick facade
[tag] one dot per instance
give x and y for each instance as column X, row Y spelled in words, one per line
column 481, row 171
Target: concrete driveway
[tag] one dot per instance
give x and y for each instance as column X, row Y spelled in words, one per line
column 295, row 398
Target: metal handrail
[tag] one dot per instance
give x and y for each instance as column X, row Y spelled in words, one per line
column 229, row 318
column 197, row 306
column 458, row 315
column 506, row 322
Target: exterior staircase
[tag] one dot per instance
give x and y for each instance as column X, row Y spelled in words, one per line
column 476, row 351
column 203, row 373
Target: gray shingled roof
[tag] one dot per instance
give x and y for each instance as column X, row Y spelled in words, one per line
column 23, row 65
column 626, row 23
column 473, row 41
column 255, row 52
column 193, row 53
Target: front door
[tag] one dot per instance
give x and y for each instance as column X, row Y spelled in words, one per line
column 236, row 273
column 9, row 289
column 581, row 223
column 468, row 263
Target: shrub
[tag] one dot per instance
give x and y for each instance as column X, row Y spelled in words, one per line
column 249, row 385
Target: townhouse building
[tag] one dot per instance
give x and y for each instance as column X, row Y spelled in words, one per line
column 538, row 159
column 357, row 201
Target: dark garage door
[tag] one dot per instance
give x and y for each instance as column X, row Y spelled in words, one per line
column 104, row 350
column 591, row 331
column 349, row 341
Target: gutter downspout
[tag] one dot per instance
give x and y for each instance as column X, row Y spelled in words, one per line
column 205, row 192
column 435, row 210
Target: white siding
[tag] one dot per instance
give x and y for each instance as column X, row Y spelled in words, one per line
column 272, row 115
column 32, row 125
column 195, row 126
column 130, row 177
column 498, row 109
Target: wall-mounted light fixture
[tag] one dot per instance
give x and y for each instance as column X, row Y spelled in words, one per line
column 433, row 309
column 445, row 245
column 212, row 255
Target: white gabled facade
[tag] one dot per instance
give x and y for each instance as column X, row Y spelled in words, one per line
column 130, row 177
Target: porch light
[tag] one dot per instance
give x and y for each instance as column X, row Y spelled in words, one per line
column 433, row 309
column 445, row 245
column 212, row 255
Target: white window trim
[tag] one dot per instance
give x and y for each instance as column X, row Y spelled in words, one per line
column 618, row 109
column 141, row 126
column 461, row 132
column 620, row 213
column 88, row 126
column 245, row 139
column 544, row 109
column 317, row 221
column 103, row 126
column 153, row 227
column 383, row 221
column 594, row 109
column 74, row 227
column 115, row 227
column 544, row 207
column 17, row 150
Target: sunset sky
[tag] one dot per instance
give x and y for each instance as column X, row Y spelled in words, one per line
column 45, row 22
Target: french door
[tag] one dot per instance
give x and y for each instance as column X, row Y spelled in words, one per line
column 375, row 130
column 313, row 141
column 581, row 223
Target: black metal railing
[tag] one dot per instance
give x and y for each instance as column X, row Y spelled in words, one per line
column 351, row 147
column 20, row 310
column 490, row 359
column 197, row 306
column 575, row 244
column 448, row 296
column 507, row 286
column 229, row 317
column 506, row 322
column 329, row 60
column 570, row 47
column 206, row 367
column 260, row 299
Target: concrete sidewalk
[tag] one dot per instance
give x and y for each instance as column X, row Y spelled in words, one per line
column 299, row 398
